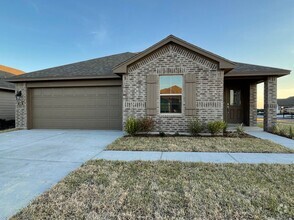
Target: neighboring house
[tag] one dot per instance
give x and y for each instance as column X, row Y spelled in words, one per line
column 172, row 81
column 284, row 105
column 7, row 97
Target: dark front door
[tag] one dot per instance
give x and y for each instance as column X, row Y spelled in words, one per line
column 233, row 108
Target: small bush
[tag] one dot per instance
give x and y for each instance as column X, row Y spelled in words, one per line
column 195, row 127
column 283, row 132
column 176, row 134
column 225, row 127
column 146, row 124
column 132, row 126
column 215, row 127
column 276, row 129
column 291, row 132
column 161, row 134
column 240, row 129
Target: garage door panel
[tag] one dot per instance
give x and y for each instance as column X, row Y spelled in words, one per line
column 77, row 108
column 72, row 114
column 50, row 102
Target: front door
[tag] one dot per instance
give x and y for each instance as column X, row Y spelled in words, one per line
column 233, row 105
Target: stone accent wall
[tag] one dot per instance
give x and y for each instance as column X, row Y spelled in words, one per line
column 253, row 105
column 270, row 103
column 21, row 107
column 173, row 59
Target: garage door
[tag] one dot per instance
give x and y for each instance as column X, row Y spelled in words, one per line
column 77, row 108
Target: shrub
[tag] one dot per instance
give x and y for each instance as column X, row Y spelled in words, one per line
column 195, row 127
column 215, row 127
column 276, row 129
column 132, row 126
column 240, row 129
column 146, row 124
column 161, row 134
column 225, row 127
column 283, row 132
column 176, row 134
column 291, row 132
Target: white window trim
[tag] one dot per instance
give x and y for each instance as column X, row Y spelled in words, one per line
column 182, row 94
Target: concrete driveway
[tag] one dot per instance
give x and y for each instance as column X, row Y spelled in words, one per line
column 31, row 161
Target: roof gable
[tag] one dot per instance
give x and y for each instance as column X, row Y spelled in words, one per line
column 3, row 83
column 224, row 64
column 10, row 70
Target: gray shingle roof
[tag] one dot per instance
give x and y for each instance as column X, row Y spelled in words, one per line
column 102, row 67
column 3, row 83
column 253, row 69
column 289, row 102
column 85, row 69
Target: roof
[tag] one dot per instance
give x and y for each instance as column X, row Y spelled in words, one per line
column 289, row 102
column 171, row 90
column 94, row 68
column 3, row 83
column 10, row 70
column 224, row 64
column 244, row 69
column 109, row 66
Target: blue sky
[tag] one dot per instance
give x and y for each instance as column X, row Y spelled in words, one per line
column 37, row 34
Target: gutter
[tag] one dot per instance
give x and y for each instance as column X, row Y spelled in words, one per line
column 60, row 78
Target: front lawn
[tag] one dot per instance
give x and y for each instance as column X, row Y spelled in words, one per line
column 168, row 190
column 197, row 144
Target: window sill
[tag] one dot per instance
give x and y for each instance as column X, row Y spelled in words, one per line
column 171, row 114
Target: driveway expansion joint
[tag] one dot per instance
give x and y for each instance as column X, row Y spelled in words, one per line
column 233, row 157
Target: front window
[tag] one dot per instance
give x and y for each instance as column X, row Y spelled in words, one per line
column 235, row 97
column 171, row 94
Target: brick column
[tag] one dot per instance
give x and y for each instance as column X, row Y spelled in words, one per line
column 270, row 103
column 21, row 107
column 253, row 105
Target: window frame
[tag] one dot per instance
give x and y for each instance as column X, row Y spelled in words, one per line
column 182, row 94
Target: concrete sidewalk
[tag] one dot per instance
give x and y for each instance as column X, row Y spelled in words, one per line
column 206, row 157
column 259, row 133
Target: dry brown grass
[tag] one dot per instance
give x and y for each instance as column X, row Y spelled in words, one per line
column 197, row 144
column 168, row 190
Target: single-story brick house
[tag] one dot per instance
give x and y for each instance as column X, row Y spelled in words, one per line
column 172, row 81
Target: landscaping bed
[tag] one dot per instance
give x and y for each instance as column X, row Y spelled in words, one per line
column 244, row 143
column 168, row 190
column 7, row 124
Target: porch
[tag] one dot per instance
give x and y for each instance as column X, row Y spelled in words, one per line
column 240, row 100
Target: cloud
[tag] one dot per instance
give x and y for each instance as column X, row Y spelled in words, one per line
column 99, row 36
column 33, row 5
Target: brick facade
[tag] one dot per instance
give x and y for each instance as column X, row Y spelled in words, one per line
column 174, row 60
column 270, row 103
column 21, row 107
column 253, row 105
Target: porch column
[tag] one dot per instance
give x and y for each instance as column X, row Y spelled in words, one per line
column 253, row 105
column 270, row 103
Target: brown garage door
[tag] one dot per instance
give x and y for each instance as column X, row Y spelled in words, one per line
column 77, row 108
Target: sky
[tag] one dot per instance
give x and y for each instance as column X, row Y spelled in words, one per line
column 37, row 34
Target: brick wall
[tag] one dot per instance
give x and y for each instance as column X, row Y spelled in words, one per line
column 168, row 60
column 270, row 103
column 253, row 105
